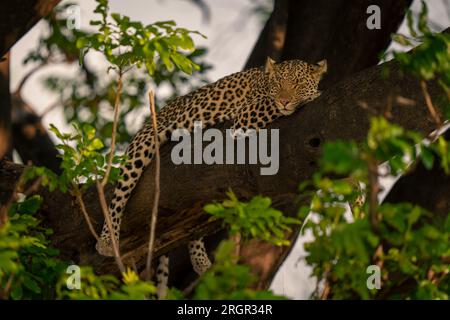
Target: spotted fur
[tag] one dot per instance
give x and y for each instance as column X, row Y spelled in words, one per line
column 252, row 98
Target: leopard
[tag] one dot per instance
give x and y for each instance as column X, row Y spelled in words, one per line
column 251, row 99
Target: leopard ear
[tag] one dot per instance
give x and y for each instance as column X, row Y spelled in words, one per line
column 320, row 67
column 269, row 67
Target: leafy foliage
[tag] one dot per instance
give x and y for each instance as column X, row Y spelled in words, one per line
column 29, row 268
column 83, row 161
column 409, row 244
column 126, row 43
column 431, row 60
column 107, row 287
column 227, row 280
column 255, row 219
column 88, row 96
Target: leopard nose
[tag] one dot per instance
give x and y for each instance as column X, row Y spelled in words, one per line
column 284, row 101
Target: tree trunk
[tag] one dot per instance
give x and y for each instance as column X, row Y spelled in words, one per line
column 18, row 17
column 333, row 30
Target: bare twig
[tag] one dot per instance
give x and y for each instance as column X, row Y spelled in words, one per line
column 157, row 189
column 51, row 108
column 105, row 210
column 326, row 286
column 388, row 110
column 5, row 292
column 101, row 185
column 80, row 201
column 188, row 290
column 237, row 242
column 374, row 190
column 114, row 129
column 364, row 105
column 434, row 113
column 27, row 76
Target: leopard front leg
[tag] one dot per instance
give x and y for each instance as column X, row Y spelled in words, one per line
column 255, row 114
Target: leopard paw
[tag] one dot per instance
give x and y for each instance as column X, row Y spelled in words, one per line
column 105, row 247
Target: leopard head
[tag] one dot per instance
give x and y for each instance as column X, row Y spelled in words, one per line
column 293, row 83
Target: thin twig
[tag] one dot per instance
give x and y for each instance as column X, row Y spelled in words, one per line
column 434, row 113
column 80, row 201
column 188, row 290
column 5, row 292
column 374, row 189
column 27, row 76
column 114, row 129
column 157, row 190
column 105, row 210
column 237, row 241
column 101, row 185
column 52, row 107
column 326, row 286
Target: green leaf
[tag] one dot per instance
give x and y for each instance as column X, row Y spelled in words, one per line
column 427, row 157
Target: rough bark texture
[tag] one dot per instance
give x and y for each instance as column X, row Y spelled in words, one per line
column 333, row 30
column 185, row 188
column 19, row 16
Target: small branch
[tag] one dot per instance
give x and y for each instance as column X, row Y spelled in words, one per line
column 101, row 185
column 114, row 130
column 434, row 113
column 157, row 187
column 80, row 201
column 237, row 242
column 105, row 210
column 4, row 294
column 326, row 286
column 51, row 108
column 374, row 189
column 188, row 290
column 25, row 78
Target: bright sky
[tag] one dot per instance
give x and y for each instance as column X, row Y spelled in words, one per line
column 231, row 34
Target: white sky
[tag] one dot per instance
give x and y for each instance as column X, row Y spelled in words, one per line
column 231, row 34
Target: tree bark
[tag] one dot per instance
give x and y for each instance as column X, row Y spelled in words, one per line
column 18, row 17
column 337, row 114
